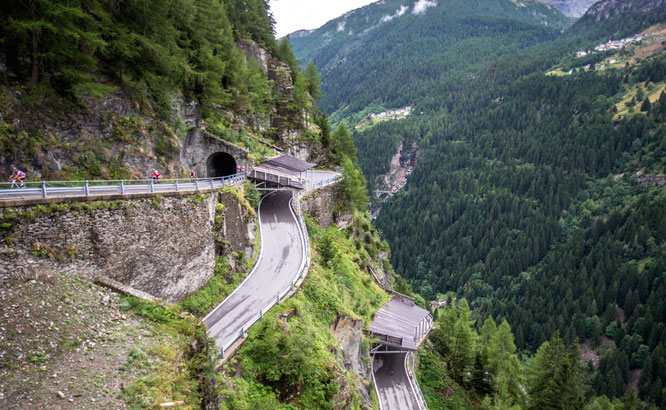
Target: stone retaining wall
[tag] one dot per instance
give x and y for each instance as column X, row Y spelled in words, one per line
column 163, row 246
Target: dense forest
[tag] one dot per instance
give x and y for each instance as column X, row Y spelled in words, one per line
column 526, row 204
column 149, row 48
column 532, row 199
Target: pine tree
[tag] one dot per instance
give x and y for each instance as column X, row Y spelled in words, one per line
column 554, row 381
column 313, row 81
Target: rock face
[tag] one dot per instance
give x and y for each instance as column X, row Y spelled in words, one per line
column 614, row 9
column 321, row 205
column 402, row 165
column 349, row 335
column 112, row 138
column 252, row 50
column 163, row 246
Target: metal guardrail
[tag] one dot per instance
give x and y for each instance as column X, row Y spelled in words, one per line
column 326, row 182
column 415, row 382
column 45, row 189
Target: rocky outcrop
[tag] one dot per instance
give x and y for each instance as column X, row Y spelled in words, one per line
column 163, row 246
column 613, row 9
column 402, row 165
column 348, row 333
column 322, row 206
column 255, row 52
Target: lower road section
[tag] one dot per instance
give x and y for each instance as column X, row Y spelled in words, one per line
column 394, row 387
column 279, row 262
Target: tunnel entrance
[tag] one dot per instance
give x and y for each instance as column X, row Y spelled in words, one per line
column 220, row 164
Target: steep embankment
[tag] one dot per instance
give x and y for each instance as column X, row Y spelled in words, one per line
column 571, row 8
column 309, row 351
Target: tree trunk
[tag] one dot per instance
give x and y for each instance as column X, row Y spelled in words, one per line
column 35, row 51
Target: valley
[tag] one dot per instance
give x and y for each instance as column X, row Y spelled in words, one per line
column 514, row 204
column 437, row 204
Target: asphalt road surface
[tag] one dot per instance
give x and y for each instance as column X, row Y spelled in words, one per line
column 282, row 254
column 393, row 385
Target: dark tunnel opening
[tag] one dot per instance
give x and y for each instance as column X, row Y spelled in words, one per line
column 220, row 164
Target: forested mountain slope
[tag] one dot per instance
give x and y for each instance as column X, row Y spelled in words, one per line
column 620, row 18
column 532, row 200
column 96, row 89
column 394, row 53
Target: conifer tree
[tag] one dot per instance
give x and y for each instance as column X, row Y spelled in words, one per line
column 554, row 381
column 313, row 80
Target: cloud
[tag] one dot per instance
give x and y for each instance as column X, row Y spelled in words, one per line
column 420, row 6
column 341, row 26
column 402, row 10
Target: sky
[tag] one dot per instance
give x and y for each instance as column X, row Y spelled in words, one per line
column 292, row 15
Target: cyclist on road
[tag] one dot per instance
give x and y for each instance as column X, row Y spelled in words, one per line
column 155, row 175
column 17, row 175
column 193, row 175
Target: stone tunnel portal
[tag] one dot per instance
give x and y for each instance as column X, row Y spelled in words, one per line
column 220, row 164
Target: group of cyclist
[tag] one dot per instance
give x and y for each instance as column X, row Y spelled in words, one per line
column 17, row 177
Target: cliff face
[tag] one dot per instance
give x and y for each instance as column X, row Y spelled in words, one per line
column 610, row 9
column 113, row 137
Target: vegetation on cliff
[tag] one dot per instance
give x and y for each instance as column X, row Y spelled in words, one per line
column 136, row 77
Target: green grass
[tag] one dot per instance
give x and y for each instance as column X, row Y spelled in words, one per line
column 434, row 382
column 176, row 370
column 216, row 289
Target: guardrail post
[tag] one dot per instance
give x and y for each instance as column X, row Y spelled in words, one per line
column 176, row 185
column 43, row 189
column 261, row 313
column 211, row 183
column 196, row 184
column 122, row 187
column 87, row 189
column 278, row 298
column 292, row 285
column 222, row 352
column 242, row 332
column 152, row 186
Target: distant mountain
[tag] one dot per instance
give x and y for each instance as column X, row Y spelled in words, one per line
column 571, row 8
column 300, row 33
column 618, row 18
column 393, row 52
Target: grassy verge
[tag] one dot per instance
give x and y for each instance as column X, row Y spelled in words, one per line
column 183, row 367
column 439, row 390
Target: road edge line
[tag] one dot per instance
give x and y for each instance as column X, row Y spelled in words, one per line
column 411, row 383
